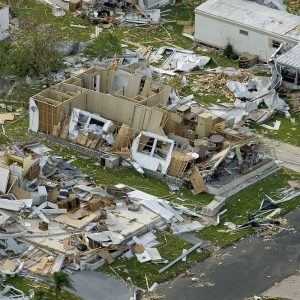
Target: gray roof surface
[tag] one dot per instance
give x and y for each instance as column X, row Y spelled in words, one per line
column 253, row 15
column 291, row 58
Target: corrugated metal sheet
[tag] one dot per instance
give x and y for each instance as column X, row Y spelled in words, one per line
column 291, row 58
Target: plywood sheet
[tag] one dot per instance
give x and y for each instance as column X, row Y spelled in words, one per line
column 197, row 181
column 122, row 139
column 7, row 117
column 68, row 220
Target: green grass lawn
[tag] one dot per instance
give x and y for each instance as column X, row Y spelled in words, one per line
column 247, row 201
column 32, row 13
column 25, row 285
column 288, row 131
column 132, row 271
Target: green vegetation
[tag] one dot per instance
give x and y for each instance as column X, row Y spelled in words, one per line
column 218, row 60
column 5, row 48
column 61, row 280
column 292, row 6
column 31, row 12
column 45, row 291
column 229, row 52
column 288, row 131
column 241, row 205
column 33, row 55
column 15, row 131
column 135, row 272
column 105, row 45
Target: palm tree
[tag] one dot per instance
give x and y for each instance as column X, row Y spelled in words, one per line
column 39, row 294
column 61, row 280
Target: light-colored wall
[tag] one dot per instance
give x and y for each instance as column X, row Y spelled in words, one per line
column 4, row 22
column 218, row 33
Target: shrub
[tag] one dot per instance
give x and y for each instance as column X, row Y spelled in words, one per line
column 229, row 52
column 106, row 45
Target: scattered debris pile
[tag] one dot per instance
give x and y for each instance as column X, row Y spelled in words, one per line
column 119, row 13
column 214, row 81
column 52, row 216
column 129, row 119
column 269, row 208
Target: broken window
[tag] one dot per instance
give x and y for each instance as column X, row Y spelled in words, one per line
column 275, row 44
column 243, row 32
column 146, row 145
column 96, row 122
column 162, row 149
column 154, row 147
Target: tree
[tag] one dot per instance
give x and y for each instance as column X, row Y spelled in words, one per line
column 61, row 280
column 106, row 45
column 35, row 54
column 32, row 52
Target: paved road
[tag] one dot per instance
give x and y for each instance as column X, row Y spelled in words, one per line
column 243, row 270
column 92, row 285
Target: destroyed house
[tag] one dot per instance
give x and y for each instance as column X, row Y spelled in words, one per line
column 246, row 25
column 114, row 95
column 4, row 21
column 116, row 115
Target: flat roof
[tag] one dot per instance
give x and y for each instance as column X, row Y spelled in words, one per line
column 253, row 15
column 291, row 58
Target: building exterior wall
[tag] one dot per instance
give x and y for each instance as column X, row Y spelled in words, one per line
column 4, row 22
column 218, row 33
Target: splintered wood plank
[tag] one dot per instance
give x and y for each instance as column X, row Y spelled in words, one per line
column 197, row 181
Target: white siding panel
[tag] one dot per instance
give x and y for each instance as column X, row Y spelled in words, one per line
column 218, row 33
column 4, row 22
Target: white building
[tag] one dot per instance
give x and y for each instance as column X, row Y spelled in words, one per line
column 246, row 25
column 4, row 21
